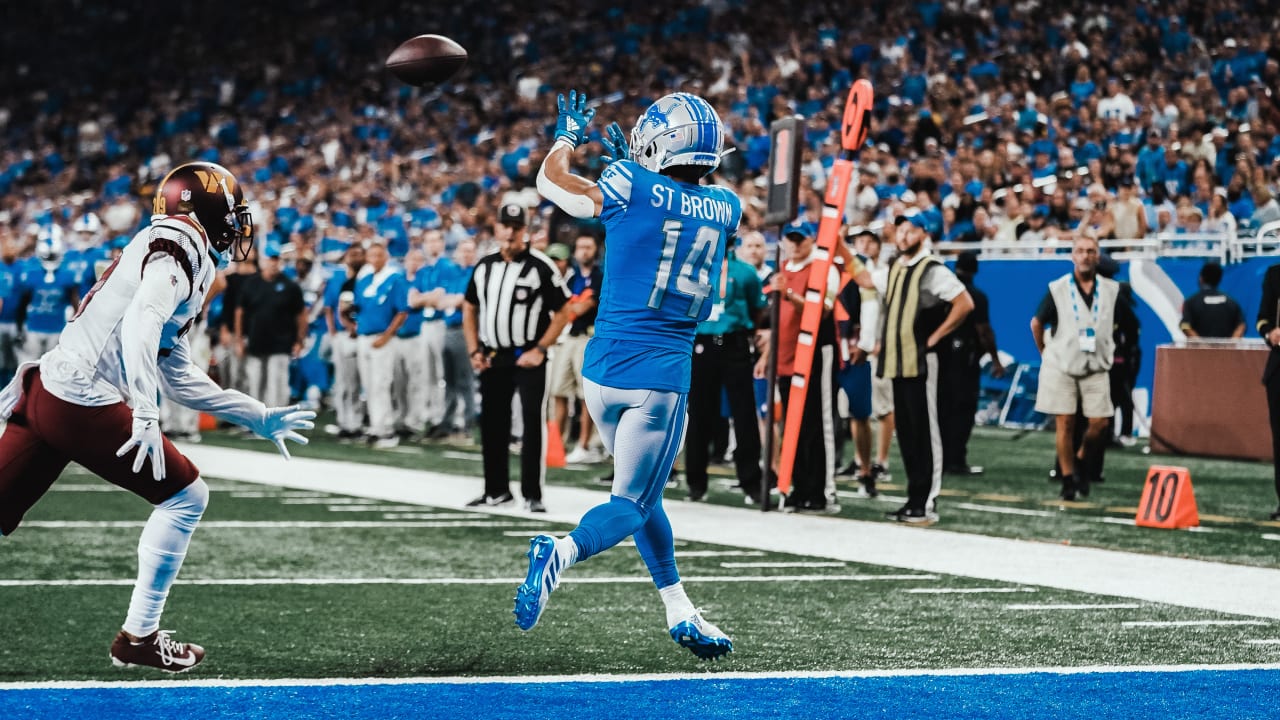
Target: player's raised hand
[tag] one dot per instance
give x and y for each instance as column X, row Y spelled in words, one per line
column 571, row 123
column 615, row 144
column 283, row 423
column 147, row 439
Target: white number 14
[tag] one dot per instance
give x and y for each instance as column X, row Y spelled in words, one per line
column 694, row 278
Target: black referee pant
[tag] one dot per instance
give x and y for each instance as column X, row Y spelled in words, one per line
column 722, row 361
column 498, row 385
column 958, row 389
column 915, row 412
column 1273, row 407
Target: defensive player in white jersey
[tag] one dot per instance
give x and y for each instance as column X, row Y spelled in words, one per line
column 92, row 398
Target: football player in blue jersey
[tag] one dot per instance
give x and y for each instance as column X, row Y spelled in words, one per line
column 86, row 251
column 49, row 292
column 667, row 235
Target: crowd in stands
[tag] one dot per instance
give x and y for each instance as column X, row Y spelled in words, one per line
column 1016, row 121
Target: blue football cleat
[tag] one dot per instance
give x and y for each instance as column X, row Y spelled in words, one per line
column 544, row 575
column 702, row 638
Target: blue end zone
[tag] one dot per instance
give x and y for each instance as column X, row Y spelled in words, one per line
column 1235, row 694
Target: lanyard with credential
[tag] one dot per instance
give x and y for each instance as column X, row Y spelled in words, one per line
column 1087, row 334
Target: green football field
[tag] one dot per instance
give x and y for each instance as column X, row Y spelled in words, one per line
column 286, row 583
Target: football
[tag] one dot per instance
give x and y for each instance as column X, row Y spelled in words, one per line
column 426, row 59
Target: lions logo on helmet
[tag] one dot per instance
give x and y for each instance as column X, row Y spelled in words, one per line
column 678, row 129
column 50, row 247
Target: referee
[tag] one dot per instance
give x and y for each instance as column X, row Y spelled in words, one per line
column 514, row 310
column 924, row 303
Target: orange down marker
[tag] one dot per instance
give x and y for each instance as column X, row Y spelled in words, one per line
column 1168, row 501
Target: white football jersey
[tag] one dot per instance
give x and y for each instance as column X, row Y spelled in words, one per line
column 88, row 365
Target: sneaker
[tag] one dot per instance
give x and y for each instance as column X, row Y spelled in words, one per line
column 386, row 443
column 535, row 506
column 486, row 501
column 696, row 497
column 867, row 487
column 604, row 480
column 916, row 516
column 582, row 456
column 544, row 575
column 850, row 470
column 156, row 650
column 895, row 514
column 879, row 472
column 1276, row 515
column 964, row 470
column 702, row 638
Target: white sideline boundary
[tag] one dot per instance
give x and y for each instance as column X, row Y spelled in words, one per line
column 618, row 678
column 573, row 580
column 1203, row 585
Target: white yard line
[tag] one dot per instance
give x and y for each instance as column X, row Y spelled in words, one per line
column 1001, row 510
column 327, row 501
column 1263, row 641
column 797, row 564
column 283, row 524
column 1270, row 536
column 965, row 591
column 1218, row 587
column 1068, row 606
column 572, row 579
column 1189, row 623
column 620, row 678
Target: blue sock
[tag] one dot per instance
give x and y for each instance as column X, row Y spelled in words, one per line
column 607, row 525
column 657, row 548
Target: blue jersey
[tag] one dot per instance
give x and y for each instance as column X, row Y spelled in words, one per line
column 82, row 265
column 10, row 291
column 50, row 296
column 666, row 245
column 439, row 274
column 379, row 298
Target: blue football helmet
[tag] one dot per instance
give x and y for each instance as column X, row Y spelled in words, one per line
column 678, row 129
column 50, row 247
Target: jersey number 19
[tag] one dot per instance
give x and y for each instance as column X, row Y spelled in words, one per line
column 694, row 278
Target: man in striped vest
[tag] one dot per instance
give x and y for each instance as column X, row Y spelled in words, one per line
column 1076, row 361
column 924, row 302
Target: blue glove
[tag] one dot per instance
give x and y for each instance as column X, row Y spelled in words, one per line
column 615, row 145
column 282, row 423
column 574, row 117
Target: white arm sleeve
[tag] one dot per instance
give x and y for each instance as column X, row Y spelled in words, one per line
column 191, row 387
column 163, row 287
column 579, row 206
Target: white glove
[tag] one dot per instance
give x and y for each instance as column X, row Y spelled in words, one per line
column 282, row 423
column 146, row 437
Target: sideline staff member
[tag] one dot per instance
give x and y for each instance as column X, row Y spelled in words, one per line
column 924, row 303
column 514, row 311
column 1076, row 360
column 1269, row 328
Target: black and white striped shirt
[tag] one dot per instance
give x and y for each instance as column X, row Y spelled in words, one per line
column 515, row 300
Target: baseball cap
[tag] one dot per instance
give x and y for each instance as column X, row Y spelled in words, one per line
column 914, row 218
column 967, row 261
column 513, row 215
column 974, row 188
column 803, row 228
column 558, row 251
column 870, row 168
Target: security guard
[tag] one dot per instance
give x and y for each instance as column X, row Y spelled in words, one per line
column 1269, row 328
column 1211, row 313
column 722, row 358
column 514, row 311
column 924, row 302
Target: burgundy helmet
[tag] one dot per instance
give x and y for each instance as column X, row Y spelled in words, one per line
column 210, row 193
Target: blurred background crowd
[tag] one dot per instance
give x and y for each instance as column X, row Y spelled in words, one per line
column 1023, row 122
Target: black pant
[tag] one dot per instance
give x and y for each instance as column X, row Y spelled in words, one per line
column 1273, row 405
column 915, row 413
column 1123, row 376
column 959, row 381
column 497, row 386
column 724, row 361
column 815, row 446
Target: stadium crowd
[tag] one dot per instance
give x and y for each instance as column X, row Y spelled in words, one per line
column 1018, row 121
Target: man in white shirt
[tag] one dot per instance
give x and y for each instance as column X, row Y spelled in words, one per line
column 92, row 398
